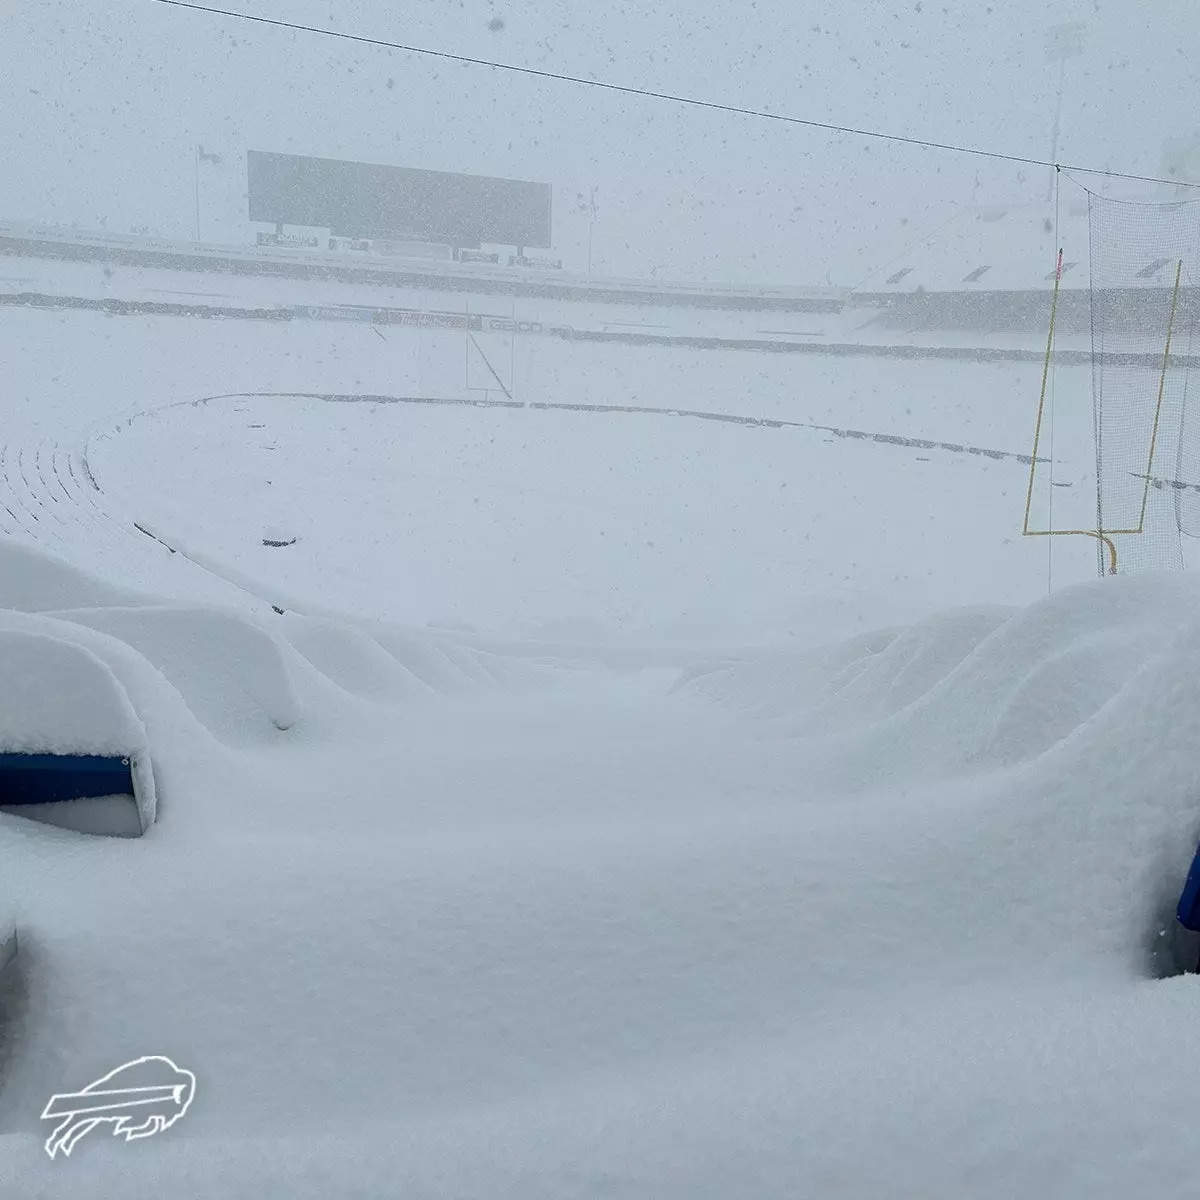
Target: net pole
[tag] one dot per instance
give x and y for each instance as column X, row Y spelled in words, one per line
column 1162, row 383
column 1183, row 408
column 1037, row 428
column 1050, row 502
column 1097, row 376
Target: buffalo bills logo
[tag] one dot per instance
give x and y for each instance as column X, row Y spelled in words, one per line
column 139, row 1099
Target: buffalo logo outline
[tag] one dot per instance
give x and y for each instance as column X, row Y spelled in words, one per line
column 137, row 1111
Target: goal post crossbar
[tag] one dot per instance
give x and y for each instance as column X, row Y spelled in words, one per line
column 1104, row 535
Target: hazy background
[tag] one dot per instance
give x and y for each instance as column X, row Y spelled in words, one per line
column 104, row 103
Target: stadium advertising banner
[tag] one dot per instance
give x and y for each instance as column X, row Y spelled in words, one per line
column 365, row 200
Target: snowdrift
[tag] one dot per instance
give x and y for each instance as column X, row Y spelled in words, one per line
column 33, row 580
column 1062, row 737
column 63, row 701
column 98, row 671
column 906, row 889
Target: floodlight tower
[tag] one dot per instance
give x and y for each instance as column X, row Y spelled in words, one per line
column 201, row 156
column 587, row 204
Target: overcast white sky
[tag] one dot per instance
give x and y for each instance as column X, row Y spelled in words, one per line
column 105, row 100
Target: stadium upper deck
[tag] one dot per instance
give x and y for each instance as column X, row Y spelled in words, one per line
column 32, row 241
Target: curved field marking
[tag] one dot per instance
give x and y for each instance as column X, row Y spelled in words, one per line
column 889, row 439
column 174, row 541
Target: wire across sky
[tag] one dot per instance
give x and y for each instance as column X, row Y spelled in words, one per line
column 669, row 97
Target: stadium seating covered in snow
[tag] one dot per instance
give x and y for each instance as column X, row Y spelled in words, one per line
column 68, row 732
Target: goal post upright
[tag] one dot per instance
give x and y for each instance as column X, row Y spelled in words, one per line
column 1037, row 439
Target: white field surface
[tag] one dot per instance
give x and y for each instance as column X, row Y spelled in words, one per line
column 769, row 832
column 530, row 520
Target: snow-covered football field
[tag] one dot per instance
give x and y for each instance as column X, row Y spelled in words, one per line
column 622, row 804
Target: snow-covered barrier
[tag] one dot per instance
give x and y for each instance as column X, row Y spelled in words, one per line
column 67, row 728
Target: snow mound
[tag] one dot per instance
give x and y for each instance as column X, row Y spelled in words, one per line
column 352, row 659
column 1036, row 679
column 912, row 663
column 233, row 673
column 62, row 699
column 967, row 689
column 192, row 681
column 779, row 683
column 438, row 660
column 37, row 581
column 1044, row 766
column 858, row 681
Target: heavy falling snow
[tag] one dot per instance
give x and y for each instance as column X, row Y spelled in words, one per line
column 623, row 748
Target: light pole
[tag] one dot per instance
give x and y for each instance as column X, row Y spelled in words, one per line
column 202, row 155
column 588, row 205
column 1062, row 42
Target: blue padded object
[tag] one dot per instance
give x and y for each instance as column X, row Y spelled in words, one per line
column 40, row 778
column 1188, row 911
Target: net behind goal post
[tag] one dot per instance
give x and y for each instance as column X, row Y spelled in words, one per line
column 1141, row 317
column 1144, row 261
